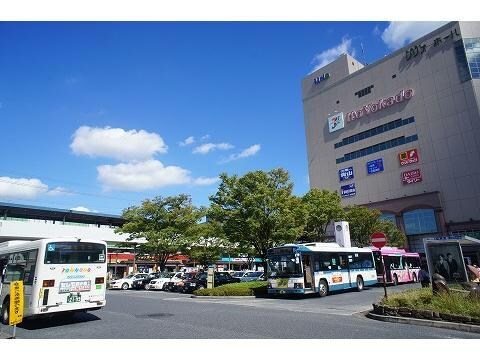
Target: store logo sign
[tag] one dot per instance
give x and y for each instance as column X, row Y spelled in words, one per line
column 348, row 190
column 374, row 166
column 381, row 104
column 336, row 122
column 321, row 78
column 411, row 176
column 345, row 174
column 408, row 157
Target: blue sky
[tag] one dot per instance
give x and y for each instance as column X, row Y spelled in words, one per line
column 93, row 114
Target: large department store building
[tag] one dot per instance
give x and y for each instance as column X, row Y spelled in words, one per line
column 402, row 135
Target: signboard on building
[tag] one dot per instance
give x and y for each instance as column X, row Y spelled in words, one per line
column 321, row 78
column 336, row 122
column 408, row 157
column 411, row 176
column 374, row 166
column 403, row 95
column 348, row 190
column 345, row 174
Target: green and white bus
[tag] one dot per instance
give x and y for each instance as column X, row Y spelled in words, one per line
column 319, row 268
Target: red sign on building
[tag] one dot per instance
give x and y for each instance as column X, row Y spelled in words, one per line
column 411, row 176
column 408, row 157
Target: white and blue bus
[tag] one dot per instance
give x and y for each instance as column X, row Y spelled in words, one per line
column 319, row 268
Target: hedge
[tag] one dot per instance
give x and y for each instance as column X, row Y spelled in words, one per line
column 237, row 289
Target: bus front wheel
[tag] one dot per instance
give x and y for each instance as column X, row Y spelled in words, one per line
column 5, row 314
column 395, row 280
column 414, row 277
column 359, row 283
column 322, row 288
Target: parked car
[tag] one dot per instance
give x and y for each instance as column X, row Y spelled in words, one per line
column 126, row 282
column 178, row 286
column 160, row 282
column 251, row 276
column 170, row 285
column 200, row 281
column 140, row 284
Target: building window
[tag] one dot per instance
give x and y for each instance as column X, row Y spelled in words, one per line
column 472, row 50
column 402, row 140
column 420, row 221
column 388, row 217
column 461, row 58
column 365, row 91
column 375, row 131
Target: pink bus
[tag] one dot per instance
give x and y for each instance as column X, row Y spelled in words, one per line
column 400, row 266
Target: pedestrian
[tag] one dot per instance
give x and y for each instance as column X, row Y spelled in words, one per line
column 424, row 277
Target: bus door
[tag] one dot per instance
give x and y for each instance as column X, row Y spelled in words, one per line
column 307, row 271
column 387, row 260
column 343, row 266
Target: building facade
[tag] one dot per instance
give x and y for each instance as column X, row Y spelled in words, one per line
column 402, row 135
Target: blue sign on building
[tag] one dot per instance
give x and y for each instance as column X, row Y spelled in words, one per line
column 348, row 190
column 374, row 166
column 345, row 174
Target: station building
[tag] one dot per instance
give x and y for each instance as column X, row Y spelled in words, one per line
column 402, row 135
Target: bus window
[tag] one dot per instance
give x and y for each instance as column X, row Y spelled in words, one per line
column 13, row 272
column 393, row 262
column 342, row 261
column 327, row 261
column 413, row 262
column 74, row 253
column 361, row 261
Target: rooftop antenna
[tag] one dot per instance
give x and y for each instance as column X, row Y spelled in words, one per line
column 363, row 54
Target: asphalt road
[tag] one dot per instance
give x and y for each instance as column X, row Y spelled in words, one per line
column 145, row 314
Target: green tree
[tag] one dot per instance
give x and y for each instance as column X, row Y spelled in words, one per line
column 321, row 208
column 258, row 210
column 363, row 222
column 395, row 237
column 167, row 223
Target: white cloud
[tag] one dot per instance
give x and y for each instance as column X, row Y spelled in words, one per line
column 205, row 137
column 117, row 143
column 205, row 181
column 206, row 148
column 250, row 151
column 59, row 190
column 398, row 33
column 329, row 55
column 188, row 141
column 145, row 175
column 84, row 209
column 21, row 188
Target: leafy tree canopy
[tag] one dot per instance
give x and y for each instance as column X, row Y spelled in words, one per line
column 321, row 207
column 167, row 223
column 258, row 209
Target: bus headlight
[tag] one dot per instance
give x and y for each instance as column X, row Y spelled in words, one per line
column 269, row 285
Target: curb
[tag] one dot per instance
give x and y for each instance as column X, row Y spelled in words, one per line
column 423, row 322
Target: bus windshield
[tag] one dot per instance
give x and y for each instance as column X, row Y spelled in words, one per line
column 74, row 253
column 284, row 266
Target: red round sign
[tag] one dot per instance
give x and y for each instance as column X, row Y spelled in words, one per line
column 379, row 239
